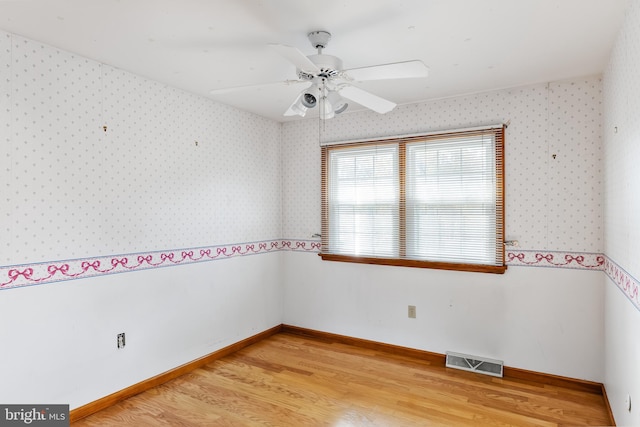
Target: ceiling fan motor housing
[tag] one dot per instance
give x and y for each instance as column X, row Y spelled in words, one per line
column 329, row 65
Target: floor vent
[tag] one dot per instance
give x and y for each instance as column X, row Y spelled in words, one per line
column 481, row 365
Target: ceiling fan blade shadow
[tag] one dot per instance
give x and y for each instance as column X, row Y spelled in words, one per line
column 396, row 70
column 367, row 99
column 224, row 90
column 296, row 57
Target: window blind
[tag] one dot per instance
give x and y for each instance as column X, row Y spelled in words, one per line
column 363, row 198
column 450, row 198
column 431, row 201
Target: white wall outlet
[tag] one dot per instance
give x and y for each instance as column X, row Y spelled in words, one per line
column 412, row 311
column 121, row 340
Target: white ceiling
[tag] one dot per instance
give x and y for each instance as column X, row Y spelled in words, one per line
column 200, row 45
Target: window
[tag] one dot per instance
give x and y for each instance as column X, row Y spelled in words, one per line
column 432, row 201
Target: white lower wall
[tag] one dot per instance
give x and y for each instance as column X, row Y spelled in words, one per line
column 59, row 340
column 622, row 355
column 542, row 319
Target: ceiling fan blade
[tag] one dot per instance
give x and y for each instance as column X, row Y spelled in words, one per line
column 255, row 87
column 367, row 99
column 396, row 70
column 296, row 57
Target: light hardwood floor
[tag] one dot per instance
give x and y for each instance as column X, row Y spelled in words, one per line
column 291, row 380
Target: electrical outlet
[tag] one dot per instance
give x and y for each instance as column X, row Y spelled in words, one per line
column 412, row 311
column 121, row 340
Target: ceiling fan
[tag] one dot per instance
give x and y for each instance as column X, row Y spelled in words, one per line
column 328, row 86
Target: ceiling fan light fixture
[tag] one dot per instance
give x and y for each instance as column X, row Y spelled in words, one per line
column 341, row 108
column 308, row 100
column 338, row 103
column 326, row 109
column 297, row 109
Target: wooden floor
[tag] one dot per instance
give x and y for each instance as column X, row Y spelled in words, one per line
column 290, row 380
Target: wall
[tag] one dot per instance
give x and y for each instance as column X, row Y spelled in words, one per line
column 174, row 181
column 622, row 230
column 532, row 317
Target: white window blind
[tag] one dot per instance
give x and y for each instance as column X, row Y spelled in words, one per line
column 431, row 201
column 450, row 200
column 363, row 201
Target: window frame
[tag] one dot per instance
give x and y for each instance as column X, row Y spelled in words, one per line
column 497, row 131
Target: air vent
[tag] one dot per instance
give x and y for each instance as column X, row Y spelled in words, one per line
column 481, row 365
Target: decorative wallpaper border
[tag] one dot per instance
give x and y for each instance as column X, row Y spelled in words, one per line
column 17, row 276
column 629, row 286
column 555, row 259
